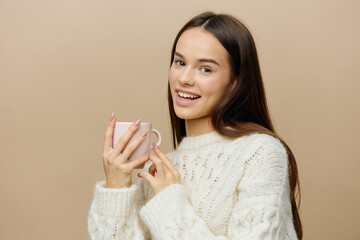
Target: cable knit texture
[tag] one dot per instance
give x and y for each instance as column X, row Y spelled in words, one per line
column 231, row 189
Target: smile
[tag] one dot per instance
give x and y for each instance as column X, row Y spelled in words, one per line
column 184, row 99
column 187, row 95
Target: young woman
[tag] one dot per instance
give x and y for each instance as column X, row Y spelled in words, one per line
column 230, row 176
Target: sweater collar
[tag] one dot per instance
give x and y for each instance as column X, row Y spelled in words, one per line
column 200, row 141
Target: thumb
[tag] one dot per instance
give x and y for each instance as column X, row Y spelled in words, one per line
column 147, row 176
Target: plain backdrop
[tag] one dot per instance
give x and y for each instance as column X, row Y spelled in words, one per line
column 66, row 65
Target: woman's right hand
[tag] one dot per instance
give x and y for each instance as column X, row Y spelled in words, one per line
column 117, row 167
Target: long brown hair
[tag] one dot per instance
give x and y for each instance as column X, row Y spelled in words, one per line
column 242, row 111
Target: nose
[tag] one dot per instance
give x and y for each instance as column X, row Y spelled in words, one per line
column 186, row 77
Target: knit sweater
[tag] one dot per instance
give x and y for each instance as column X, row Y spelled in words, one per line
column 230, row 189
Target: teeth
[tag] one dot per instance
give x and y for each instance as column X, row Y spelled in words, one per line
column 187, row 95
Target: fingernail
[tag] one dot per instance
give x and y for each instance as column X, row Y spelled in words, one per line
column 137, row 123
column 112, row 116
column 155, row 146
column 144, row 133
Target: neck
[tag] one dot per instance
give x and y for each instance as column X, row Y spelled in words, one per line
column 199, row 126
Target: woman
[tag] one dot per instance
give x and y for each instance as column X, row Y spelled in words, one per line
column 230, row 176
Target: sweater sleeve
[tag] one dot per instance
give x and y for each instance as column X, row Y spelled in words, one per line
column 114, row 213
column 262, row 210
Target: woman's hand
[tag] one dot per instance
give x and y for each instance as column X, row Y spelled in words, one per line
column 117, row 168
column 166, row 173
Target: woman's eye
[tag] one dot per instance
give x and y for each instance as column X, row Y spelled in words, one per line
column 179, row 63
column 206, row 70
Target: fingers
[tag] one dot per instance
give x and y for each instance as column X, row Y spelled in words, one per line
column 125, row 138
column 164, row 158
column 108, row 139
column 148, row 177
column 159, row 164
column 133, row 145
column 137, row 162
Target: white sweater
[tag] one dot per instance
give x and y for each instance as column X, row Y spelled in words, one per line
column 231, row 189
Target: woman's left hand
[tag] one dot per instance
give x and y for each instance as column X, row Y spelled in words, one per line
column 166, row 173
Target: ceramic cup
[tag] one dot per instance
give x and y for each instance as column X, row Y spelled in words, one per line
column 145, row 146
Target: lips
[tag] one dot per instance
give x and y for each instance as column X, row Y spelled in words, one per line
column 186, row 98
column 186, row 94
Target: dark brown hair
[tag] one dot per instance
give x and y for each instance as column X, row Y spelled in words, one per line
column 243, row 110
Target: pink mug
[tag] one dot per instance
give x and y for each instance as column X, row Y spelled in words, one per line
column 144, row 147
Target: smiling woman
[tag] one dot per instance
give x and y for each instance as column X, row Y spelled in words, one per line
column 200, row 67
column 230, row 176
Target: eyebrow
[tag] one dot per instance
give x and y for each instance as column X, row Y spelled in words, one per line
column 200, row 60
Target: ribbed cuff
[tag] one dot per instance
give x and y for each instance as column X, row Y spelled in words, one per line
column 164, row 206
column 114, row 202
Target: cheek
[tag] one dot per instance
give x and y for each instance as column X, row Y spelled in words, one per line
column 171, row 77
column 212, row 87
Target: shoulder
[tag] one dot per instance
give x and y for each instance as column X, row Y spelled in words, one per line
column 258, row 141
column 259, row 151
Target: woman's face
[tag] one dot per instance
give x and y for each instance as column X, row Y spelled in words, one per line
column 199, row 75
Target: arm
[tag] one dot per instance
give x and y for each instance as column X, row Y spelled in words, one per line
column 114, row 210
column 114, row 213
column 262, row 211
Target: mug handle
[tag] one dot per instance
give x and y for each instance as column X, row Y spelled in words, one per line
column 158, row 135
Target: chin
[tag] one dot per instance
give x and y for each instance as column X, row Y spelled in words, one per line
column 188, row 114
column 184, row 115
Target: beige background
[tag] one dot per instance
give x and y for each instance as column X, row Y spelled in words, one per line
column 66, row 65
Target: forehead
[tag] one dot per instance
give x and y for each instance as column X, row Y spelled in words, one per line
column 197, row 43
